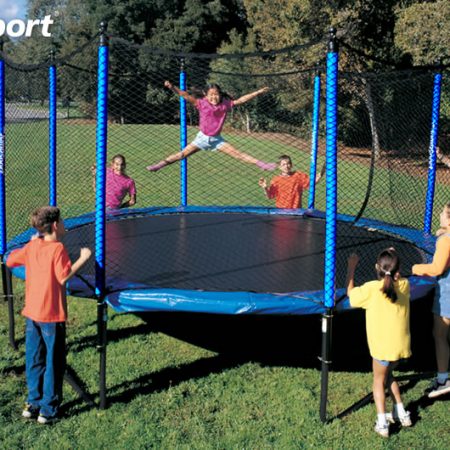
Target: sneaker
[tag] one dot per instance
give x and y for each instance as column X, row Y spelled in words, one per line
column 382, row 430
column 436, row 389
column 405, row 420
column 44, row 420
column 29, row 411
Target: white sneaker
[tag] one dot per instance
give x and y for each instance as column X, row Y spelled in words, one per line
column 44, row 420
column 405, row 420
column 382, row 430
column 437, row 389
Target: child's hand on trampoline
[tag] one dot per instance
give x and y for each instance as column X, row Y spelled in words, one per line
column 168, row 84
column 262, row 183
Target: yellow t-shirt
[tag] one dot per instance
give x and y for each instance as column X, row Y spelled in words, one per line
column 387, row 323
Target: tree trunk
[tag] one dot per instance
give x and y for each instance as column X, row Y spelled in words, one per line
column 373, row 121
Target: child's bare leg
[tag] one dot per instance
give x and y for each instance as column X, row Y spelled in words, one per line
column 392, row 385
column 441, row 327
column 244, row 157
column 380, row 373
column 186, row 152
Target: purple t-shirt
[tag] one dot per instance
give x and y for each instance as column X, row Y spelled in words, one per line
column 212, row 117
column 117, row 187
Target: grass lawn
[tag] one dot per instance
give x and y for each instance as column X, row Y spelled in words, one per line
column 164, row 391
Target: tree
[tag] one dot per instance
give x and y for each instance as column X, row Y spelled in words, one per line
column 420, row 31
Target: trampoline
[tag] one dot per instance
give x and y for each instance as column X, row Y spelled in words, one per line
column 230, row 260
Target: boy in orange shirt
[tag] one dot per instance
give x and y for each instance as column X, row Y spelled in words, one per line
column 287, row 188
column 47, row 268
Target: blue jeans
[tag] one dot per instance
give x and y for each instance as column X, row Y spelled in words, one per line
column 45, row 363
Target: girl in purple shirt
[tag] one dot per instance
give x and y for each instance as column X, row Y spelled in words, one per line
column 213, row 110
column 118, row 184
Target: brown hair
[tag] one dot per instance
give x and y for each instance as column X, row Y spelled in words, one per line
column 285, row 158
column 447, row 210
column 43, row 218
column 388, row 264
column 123, row 160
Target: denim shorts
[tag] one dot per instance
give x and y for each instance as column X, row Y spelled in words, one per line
column 208, row 142
column 382, row 362
column 386, row 363
column 441, row 303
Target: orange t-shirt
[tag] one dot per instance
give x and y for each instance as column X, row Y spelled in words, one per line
column 288, row 190
column 46, row 264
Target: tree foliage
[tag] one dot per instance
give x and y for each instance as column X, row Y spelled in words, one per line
column 377, row 34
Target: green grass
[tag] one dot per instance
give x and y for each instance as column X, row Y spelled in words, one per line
column 166, row 393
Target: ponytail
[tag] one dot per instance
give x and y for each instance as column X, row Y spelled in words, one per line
column 388, row 264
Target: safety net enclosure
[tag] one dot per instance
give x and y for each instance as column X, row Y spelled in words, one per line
column 203, row 236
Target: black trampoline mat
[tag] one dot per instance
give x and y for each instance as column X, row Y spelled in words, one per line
column 233, row 251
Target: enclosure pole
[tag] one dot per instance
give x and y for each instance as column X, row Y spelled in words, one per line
column 314, row 141
column 183, row 136
column 428, row 218
column 100, row 215
column 52, row 130
column 331, row 213
column 6, row 274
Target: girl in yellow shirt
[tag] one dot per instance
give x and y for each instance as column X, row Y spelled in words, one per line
column 386, row 301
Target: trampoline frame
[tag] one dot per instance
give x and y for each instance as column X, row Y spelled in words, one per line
column 331, row 215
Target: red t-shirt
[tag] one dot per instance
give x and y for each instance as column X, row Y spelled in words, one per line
column 46, row 264
column 288, row 190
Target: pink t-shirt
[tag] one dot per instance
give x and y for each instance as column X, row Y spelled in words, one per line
column 212, row 117
column 117, row 187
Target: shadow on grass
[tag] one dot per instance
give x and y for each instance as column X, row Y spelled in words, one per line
column 291, row 341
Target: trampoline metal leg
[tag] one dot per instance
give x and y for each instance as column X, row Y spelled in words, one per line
column 325, row 362
column 74, row 382
column 102, row 318
column 8, row 293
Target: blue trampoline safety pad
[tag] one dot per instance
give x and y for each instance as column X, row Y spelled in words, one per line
column 167, row 300
column 231, row 260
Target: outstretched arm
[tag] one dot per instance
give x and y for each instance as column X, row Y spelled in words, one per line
column 85, row 254
column 252, row 95
column 442, row 158
column 353, row 260
column 320, row 175
column 181, row 93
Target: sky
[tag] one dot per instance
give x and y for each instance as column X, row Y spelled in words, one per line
column 12, row 9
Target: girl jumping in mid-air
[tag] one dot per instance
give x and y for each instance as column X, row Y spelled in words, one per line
column 386, row 302
column 213, row 110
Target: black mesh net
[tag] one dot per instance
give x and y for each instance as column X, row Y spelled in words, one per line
column 384, row 133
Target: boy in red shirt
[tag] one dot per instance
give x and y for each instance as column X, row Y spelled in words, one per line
column 47, row 268
column 287, row 188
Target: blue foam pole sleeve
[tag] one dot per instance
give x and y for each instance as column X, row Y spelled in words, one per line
column 331, row 177
column 428, row 217
column 52, row 136
column 2, row 161
column 183, row 141
column 100, row 181
column 314, row 142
